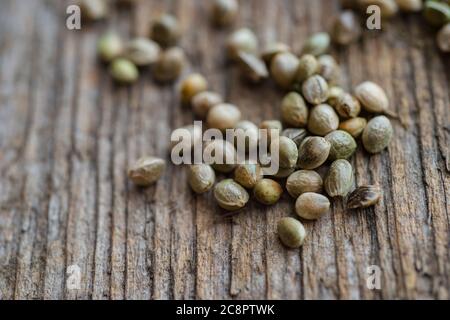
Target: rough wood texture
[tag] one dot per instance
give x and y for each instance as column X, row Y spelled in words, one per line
column 67, row 135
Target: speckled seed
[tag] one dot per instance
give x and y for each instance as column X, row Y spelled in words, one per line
column 315, row 90
column 329, row 69
column 443, row 38
column 343, row 145
column 348, row 106
column 288, row 152
column 230, row 195
column 268, row 191
column 192, row 85
column 322, row 120
column 291, row 232
column 203, row 102
column 410, row 5
column 223, row 116
column 109, row 46
column 201, row 177
column 437, row 13
column 284, row 68
column 224, row 12
column 388, row 8
column 294, row 111
column 247, row 132
column 123, row 71
column 222, row 151
column 165, row 30
column 313, row 152
column 295, row 134
column 372, row 97
column 346, row 28
column 169, row 65
column 247, row 175
column 339, row 179
column 377, row 135
column 242, row 40
column 93, row 9
column 317, row 44
column 142, row 51
column 334, row 93
column 353, row 126
column 253, row 68
column 303, row 181
column 272, row 50
column 311, row 206
column 146, row 171
column 364, row 197
column 307, row 67
column 271, row 125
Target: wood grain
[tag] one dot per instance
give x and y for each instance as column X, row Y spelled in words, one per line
column 68, row 134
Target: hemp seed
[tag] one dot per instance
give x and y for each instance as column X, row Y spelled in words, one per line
column 311, row 206
column 146, row 171
column 291, row 232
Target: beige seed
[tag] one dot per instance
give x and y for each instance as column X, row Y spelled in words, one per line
column 267, row 191
column 248, row 175
column 146, row 171
column 354, row 126
column 372, row 97
column 308, row 66
column 377, row 134
column 230, row 195
column 272, row 50
column 223, row 116
column 203, row 102
column 313, row 152
column 315, row 90
column 334, row 94
column 291, row 232
column 201, row 177
column 221, row 154
column 329, row 69
column 339, row 179
column 323, row 120
column 303, row 181
column 410, row 5
column 192, row 85
column 346, row 28
column 311, row 206
column 294, row 111
column 93, row 9
column 123, row 71
column 242, row 40
column 443, row 38
column 284, row 68
column 348, row 106
column 317, row 44
column 288, row 152
column 224, row 12
column 142, row 51
column 109, row 46
column 169, row 65
column 165, row 30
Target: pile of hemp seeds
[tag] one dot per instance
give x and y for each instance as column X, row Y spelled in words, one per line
column 320, row 126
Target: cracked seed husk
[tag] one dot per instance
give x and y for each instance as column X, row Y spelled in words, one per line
column 201, row 178
column 295, row 134
column 291, row 232
column 364, row 197
column 348, row 106
column 311, row 206
column 339, row 179
column 230, row 195
column 146, row 171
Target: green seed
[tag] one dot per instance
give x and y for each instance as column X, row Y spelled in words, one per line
column 142, row 52
column 317, row 44
column 353, row 126
column 169, row 65
column 201, row 177
column 339, row 179
column 288, row 152
column 315, row 90
column 323, row 120
column 291, row 232
column 295, row 134
column 242, row 40
column 165, row 30
column 311, row 206
column 294, row 111
column 303, row 181
column 124, row 71
column 268, row 191
column 372, row 97
column 313, row 152
column 364, row 197
column 343, row 145
column 348, row 106
column 248, row 175
column 230, row 195
column 146, row 171
column 109, row 47
column 308, row 66
column 283, row 69
column 377, row 135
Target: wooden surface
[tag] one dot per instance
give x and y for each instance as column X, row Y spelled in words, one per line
column 67, row 135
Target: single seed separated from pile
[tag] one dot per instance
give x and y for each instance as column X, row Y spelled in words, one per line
column 272, row 50
column 294, row 111
column 313, row 152
column 230, row 195
column 311, row 206
column 377, row 134
column 246, row 131
column 410, row 5
column 253, row 68
column 169, row 65
column 142, row 51
column 109, row 46
column 317, row 44
column 295, row 134
column 346, row 28
column 165, row 30
column 203, row 102
column 315, row 90
column 437, row 13
column 93, row 9
column 242, row 40
column 283, row 69
column 388, row 8
column 270, row 125
column 364, row 197
column 224, row 12
column 223, row 116
column 146, row 171
column 339, row 179
column 248, row 175
column 267, row 191
column 288, row 151
column 291, row 232
column 372, row 97
column 322, row 120
column 222, row 151
column 307, row 67
column 343, row 146
column 353, row 126
column 201, row 177
column 329, row 69
column 124, row 71
column 192, row 85
column 443, row 38
column 347, row 106
column 303, row 181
